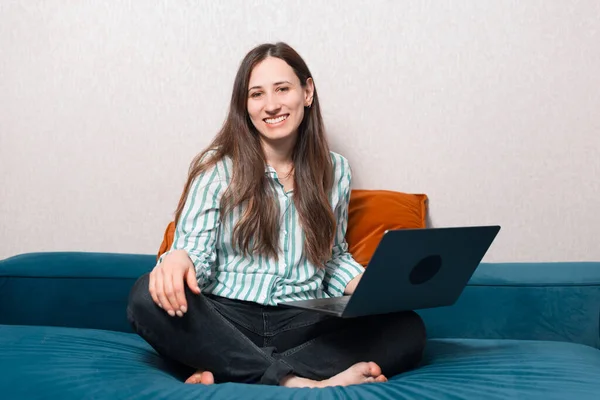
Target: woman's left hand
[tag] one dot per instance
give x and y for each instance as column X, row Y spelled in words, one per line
column 352, row 284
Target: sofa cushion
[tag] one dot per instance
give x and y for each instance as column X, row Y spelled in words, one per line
column 72, row 363
column 60, row 288
column 504, row 369
column 372, row 212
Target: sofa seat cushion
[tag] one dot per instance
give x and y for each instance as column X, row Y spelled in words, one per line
column 504, row 369
column 71, row 363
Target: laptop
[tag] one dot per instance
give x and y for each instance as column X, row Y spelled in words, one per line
column 412, row 269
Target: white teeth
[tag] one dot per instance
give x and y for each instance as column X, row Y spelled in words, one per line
column 276, row 120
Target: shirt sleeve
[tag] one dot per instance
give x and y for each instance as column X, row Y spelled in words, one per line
column 198, row 226
column 342, row 267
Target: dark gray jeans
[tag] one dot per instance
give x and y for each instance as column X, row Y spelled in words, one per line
column 247, row 342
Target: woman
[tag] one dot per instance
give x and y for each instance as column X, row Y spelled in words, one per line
column 262, row 220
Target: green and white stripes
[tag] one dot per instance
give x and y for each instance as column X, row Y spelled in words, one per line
column 224, row 271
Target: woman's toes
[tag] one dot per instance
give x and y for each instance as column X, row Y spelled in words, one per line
column 202, row 377
column 195, row 378
column 374, row 369
column 207, row 378
column 381, row 378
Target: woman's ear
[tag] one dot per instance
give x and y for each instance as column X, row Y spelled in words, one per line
column 309, row 91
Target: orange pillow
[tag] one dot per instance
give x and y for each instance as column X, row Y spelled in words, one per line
column 167, row 239
column 370, row 214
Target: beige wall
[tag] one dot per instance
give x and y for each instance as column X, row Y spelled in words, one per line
column 489, row 107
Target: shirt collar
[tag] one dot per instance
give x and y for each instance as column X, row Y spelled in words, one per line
column 270, row 170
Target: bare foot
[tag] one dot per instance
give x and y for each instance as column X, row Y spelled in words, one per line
column 363, row 372
column 202, row 377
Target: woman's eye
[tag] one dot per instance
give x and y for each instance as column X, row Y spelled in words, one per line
column 284, row 89
column 255, row 95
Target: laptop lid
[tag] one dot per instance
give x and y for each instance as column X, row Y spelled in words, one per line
column 420, row 268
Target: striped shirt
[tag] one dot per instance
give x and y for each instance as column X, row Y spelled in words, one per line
column 223, row 270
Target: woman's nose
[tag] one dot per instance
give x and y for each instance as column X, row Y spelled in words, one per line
column 273, row 104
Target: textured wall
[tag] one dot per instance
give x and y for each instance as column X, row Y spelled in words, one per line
column 491, row 108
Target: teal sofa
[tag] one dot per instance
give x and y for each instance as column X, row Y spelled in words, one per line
column 518, row 331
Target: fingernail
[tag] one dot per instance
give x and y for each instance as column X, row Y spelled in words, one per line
column 160, row 305
column 171, row 313
column 183, row 309
column 179, row 313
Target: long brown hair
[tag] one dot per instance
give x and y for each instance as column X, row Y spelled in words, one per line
column 313, row 170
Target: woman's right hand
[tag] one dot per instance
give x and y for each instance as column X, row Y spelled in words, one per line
column 167, row 282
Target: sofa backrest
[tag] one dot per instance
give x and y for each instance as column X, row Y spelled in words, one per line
column 538, row 301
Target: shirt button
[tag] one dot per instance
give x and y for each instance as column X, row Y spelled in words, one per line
column 284, row 233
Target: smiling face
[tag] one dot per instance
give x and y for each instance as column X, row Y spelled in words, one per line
column 276, row 100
